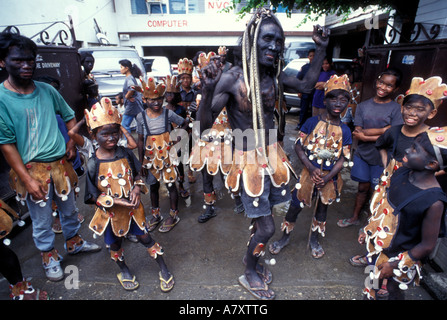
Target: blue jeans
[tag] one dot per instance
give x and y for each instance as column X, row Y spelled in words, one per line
column 126, row 121
column 42, row 219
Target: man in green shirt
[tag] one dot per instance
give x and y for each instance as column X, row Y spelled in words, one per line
column 35, row 149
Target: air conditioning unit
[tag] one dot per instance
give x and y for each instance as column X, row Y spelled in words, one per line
column 124, row 37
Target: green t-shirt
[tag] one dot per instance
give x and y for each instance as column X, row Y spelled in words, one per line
column 29, row 121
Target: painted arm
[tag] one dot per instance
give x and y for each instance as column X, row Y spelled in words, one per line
column 307, row 84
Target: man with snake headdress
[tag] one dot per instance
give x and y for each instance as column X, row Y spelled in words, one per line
column 260, row 169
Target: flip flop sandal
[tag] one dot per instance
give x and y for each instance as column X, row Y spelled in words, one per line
column 275, row 248
column 134, row 282
column 382, row 292
column 266, row 275
column 255, row 291
column 168, row 227
column 317, row 253
column 346, row 223
column 166, row 285
column 358, row 261
column 154, row 224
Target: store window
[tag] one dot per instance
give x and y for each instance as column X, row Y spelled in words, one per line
column 157, row 8
column 138, row 7
column 177, row 6
column 196, row 6
column 167, row 6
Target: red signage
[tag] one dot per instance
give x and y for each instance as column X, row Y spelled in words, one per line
column 167, row 23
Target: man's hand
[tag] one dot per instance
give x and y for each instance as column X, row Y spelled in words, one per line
column 211, row 73
column 70, row 150
column 35, row 189
column 321, row 35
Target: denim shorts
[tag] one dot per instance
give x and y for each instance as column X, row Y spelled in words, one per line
column 262, row 206
column 364, row 172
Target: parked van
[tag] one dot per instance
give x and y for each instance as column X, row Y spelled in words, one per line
column 107, row 68
column 297, row 50
column 157, row 67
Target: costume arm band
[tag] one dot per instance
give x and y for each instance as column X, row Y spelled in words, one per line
column 142, row 185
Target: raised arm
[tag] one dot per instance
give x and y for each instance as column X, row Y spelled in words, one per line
column 214, row 94
column 294, row 85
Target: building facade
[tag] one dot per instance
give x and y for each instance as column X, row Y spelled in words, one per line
column 172, row 28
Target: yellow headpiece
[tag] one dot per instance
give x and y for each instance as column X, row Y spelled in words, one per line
column 204, row 59
column 171, row 84
column 432, row 88
column 222, row 51
column 336, row 82
column 438, row 138
column 150, row 90
column 102, row 113
column 185, row 66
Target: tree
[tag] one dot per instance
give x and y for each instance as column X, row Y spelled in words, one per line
column 315, row 8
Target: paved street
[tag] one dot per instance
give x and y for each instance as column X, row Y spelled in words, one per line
column 206, row 259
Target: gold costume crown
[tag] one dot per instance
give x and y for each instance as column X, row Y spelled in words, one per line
column 171, row 84
column 150, row 90
column 102, row 113
column 185, row 66
column 438, row 138
column 335, row 82
column 432, row 88
column 222, row 51
column 204, row 59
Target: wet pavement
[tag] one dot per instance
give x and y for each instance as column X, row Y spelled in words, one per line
column 206, row 259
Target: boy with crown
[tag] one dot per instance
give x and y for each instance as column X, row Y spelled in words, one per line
column 157, row 152
column 212, row 153
column 188, row 97
column 323, row 146
column 407, row 208
column 113, row 183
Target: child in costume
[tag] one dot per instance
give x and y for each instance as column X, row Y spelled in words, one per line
column 188, row 98
column 172, row 96
column 212, row 154
column 323, row 146
column 10, row 267
column 114, row 185
column 408, row 215
column 157, row 154
column 416, row 110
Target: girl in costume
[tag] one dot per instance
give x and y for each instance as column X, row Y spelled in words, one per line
column 157, row 154
column 114, row 185
column 323, row 146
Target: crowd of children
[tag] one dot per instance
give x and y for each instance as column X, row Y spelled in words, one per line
column 395, row 162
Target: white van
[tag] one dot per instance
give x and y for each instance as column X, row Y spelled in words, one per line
column 157, row 67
